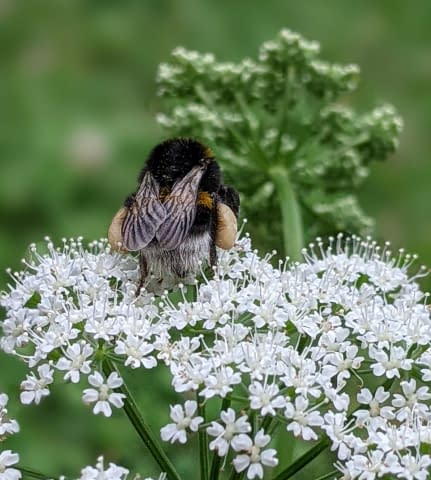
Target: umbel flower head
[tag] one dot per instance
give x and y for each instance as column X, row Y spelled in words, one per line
column 336, row 347
column 282, row 113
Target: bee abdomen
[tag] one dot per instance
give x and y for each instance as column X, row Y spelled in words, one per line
column 180, row 262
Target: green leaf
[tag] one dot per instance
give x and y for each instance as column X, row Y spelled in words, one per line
column 33, row 301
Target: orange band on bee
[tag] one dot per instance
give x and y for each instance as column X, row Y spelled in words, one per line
column 208, row 153
column 205, row 200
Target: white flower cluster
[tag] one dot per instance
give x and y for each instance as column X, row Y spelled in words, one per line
column 336, row 347
column 111, row 472
column 8, row 458
column 8, row 427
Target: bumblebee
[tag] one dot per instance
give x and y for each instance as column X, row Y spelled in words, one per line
column 179, row 213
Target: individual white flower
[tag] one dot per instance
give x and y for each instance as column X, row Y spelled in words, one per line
column 391, row 438
column 414, row 467
column 425, row 360
column 366, row 467
column 186, row 349
column 33, row 388
column 413, row 401
column 190, row 375
column 75, row 361
column 102, row 396
column 184, row 421
column 302, row 418
column 7, row 459
column 390, row 364
column 253, row 456
column 340, row 400
column 377, row 414
column 225, row 433
column 8, row 426
column 337, row 430
column 137, row 351
column 112, row 472
column 217, row 302
column 301, row 374
column 184, row 314
column 264, row 397
column 220, row 382
column 340, row 363
column 16, row 326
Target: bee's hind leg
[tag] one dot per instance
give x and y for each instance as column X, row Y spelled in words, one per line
column 143, row 273
column 213, row 255
column 213, row 231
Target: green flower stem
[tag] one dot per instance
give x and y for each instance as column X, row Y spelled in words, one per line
column 215, row 467
column 216, row 461
column 30, row 473
column 236, row 475
column 203, row 445
column 331, row 475
column 290, row 212
column 144, row 431
column 303, row 460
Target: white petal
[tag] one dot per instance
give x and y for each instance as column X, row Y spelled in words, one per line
column 103, row 407
column 27, row 397
column 117, row 399
column 268, row 457
column 241, row 442
column 241, row 462
column 255, row 470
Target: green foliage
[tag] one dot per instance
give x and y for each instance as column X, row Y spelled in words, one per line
column 285, row 108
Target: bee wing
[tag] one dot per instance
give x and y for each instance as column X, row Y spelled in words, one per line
column 180, row 207
column 144, row 216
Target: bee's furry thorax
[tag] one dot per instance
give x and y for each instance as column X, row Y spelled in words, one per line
column 173, row 159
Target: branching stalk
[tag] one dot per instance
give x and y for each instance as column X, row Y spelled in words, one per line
column 203, row 446
column 303, row 460
column 31, row 473
column 144, row 431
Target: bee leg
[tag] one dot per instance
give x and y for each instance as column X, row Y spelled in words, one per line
column 213, row 230
column 180, row 272
column 143, row 273
column 213, row 254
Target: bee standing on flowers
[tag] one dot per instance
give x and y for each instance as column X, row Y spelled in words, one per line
column 179, row 213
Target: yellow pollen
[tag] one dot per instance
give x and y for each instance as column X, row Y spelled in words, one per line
column 205, row 199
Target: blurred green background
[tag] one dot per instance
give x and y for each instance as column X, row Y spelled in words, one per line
column 77, row 118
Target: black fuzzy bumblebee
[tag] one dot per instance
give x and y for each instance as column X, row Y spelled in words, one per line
column 179, row 213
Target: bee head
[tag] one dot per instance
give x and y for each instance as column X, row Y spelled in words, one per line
column 174, row 158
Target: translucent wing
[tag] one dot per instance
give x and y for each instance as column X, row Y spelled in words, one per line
column 180, row 207
column 144, row 216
